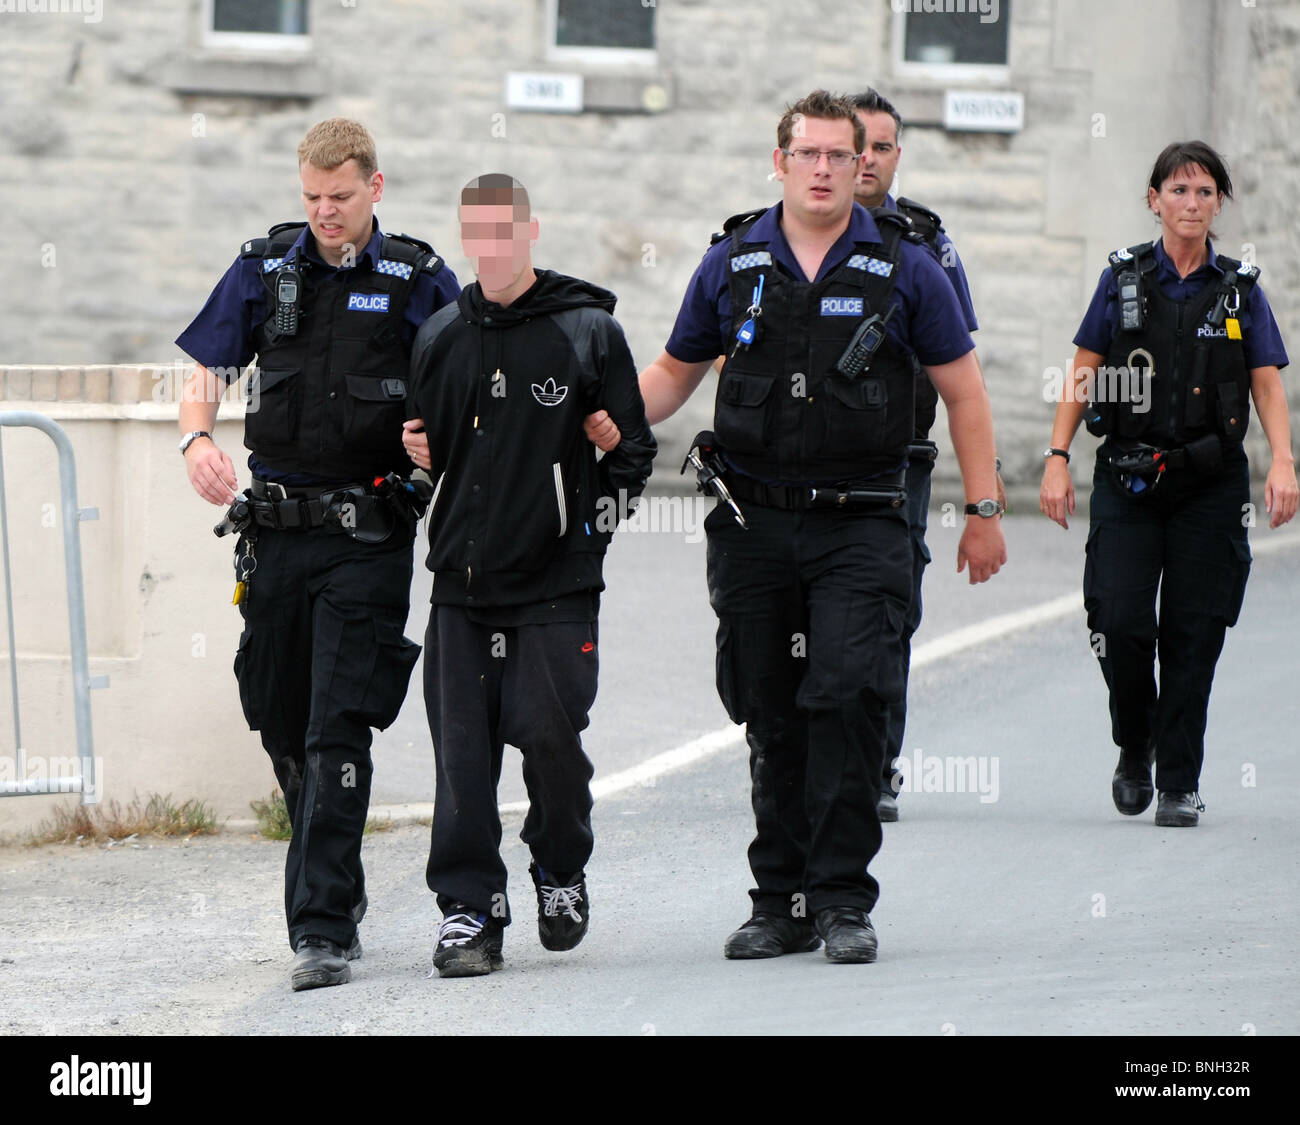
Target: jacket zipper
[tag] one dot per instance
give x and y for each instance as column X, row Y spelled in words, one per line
column 559, row 499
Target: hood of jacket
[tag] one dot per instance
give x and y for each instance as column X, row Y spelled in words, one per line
column 553, row 292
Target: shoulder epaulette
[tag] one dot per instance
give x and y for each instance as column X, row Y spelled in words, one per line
column 1245, row 274
column 927, row 223
column 745, row 217
column 1143, row 252
column 400, row 254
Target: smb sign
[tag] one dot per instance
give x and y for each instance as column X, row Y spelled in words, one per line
column 556, row 93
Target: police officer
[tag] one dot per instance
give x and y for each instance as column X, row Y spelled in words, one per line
column 812, row 595
column 1175, row 342
column 330, row 308
column 880, row 156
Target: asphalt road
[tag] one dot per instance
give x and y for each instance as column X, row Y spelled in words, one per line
column 1022, row 905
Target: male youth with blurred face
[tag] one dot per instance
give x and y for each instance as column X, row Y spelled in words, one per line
column 500, row 384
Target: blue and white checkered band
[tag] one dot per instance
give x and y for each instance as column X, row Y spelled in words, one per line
column 269, row 264
column 878, row 266
column 397, row 269
column 749, row 261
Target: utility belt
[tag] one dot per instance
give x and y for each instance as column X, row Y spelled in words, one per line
column 887, row 491
column 1139, row 468
column 923, row 449
column 368, row 513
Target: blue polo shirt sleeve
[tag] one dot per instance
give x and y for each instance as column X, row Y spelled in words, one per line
column 1261, row 341
column 704, row 318
column 950, row 262
column 429, row 295
column 932, row 322
column 221, row 336
column 1098, row 327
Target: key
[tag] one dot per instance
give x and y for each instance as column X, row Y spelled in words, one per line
column 241, row 591
column 1234, row 328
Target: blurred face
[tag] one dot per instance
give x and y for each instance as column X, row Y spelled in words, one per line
column 879, row 159
column 340, row 204
column 497, row 241
column 819, row 193
column 1186, row 203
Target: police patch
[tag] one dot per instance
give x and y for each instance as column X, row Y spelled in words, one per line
column 841, row 306
column 367, row 302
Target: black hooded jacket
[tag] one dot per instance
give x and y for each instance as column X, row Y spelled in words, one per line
column 524, row 512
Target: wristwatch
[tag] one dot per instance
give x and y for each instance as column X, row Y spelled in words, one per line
column 1052, row 451
column 190, row 438
column 985, row 508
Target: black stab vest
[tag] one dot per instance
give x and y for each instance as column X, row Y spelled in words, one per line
column 330, row 400
column 782, row 413
column 927, row 227
column 1195, row 381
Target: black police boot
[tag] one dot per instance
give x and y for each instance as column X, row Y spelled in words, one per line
column 770, row 935
column 1178, row 810
column 1131, row 787
column 850, row 938
column 319, row 962
column 887, row 807
column 563, row 908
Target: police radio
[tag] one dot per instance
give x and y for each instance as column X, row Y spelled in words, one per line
column 288, row 289
column 1132, row 307
column 862, row 348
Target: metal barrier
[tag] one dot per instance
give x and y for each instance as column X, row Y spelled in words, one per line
column 84, row 782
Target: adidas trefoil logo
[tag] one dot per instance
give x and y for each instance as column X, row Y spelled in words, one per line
column 548, row 394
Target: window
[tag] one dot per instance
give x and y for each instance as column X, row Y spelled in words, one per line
column 276, row 25
column 952, row 39
column 615, row 31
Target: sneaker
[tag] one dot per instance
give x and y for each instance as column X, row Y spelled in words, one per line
column 769, row 935
column 850, row 938
column 319, row 962
column 887, row 808
column 469, row 944
column 1131, row 787
column 563, row 908
column 1179, row 810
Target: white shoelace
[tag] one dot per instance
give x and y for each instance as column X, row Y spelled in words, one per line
column 457, row 929
column 562, row 900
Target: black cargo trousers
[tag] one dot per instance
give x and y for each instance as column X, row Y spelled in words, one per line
column 917, row 482
column 1188, row 539
column 811, row 610
column 322, row 659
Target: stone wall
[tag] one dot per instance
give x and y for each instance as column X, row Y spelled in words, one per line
column 139, row 161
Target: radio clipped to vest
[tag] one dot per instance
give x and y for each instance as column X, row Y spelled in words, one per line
column 288, row 299
column 866, row 341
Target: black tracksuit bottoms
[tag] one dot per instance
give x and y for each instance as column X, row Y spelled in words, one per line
column 484, row 686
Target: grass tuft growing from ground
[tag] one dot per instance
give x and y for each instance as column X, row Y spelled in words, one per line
column 272, row 816
column 156, row 815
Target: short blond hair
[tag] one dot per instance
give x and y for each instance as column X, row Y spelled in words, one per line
column 336, row 141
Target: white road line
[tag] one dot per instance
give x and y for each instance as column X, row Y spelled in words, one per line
column 725, row 738
column 647, row 772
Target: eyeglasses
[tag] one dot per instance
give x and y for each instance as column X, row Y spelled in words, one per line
column 809, row 156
